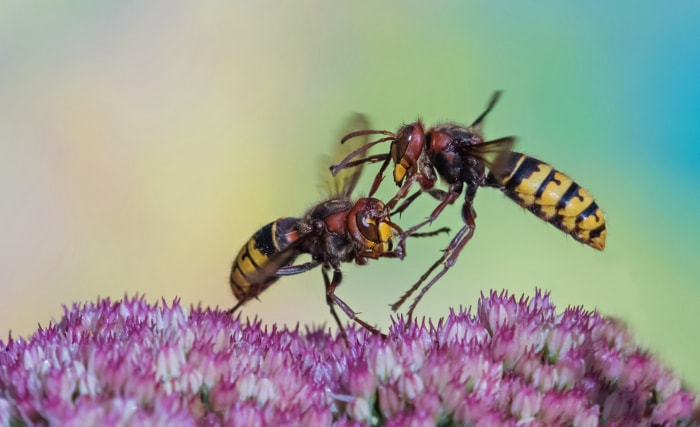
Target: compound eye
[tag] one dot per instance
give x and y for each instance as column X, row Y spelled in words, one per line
column 400, row 144
column 368, row 228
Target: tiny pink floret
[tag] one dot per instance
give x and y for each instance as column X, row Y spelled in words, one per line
column 511, row 362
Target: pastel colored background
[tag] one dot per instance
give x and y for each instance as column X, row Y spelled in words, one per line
column 142, row 144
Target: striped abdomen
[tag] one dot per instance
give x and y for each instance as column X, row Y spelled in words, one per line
column 552, row 196
column 255, row 254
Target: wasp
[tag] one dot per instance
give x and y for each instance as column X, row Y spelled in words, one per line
column 461, row 157
column 336, row 230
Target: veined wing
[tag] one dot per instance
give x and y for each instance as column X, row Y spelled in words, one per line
column 493, row 154
column 344, row 182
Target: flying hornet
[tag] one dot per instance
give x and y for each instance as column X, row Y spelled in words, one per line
column 461, row 157
column 336, row 230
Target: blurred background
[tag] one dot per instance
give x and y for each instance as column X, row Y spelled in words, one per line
column 143, row 144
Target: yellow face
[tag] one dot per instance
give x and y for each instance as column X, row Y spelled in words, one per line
column 398, row 155
column 399, row 173
column 375, row 229
column 385, row 233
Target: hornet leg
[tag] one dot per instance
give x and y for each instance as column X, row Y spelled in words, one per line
column 406, row 203
column 448, row 198
column 333, row 298
column 385, row 158
column 329, row 301
column 449, row 256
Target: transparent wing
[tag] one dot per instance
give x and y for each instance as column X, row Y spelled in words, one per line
column 278, row 264
column 344, row 182
column 493, row 153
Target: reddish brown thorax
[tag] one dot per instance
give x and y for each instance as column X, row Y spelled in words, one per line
column 336, row 222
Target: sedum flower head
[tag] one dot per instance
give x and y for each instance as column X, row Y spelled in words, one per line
column 512, row 363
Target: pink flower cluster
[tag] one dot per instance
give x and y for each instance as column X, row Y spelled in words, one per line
column 512, row 363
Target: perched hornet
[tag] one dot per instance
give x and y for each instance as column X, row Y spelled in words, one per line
column 459, row 155
column 333, row 231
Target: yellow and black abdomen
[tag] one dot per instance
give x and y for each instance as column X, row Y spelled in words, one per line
column 552, row 196
column 248, row 278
